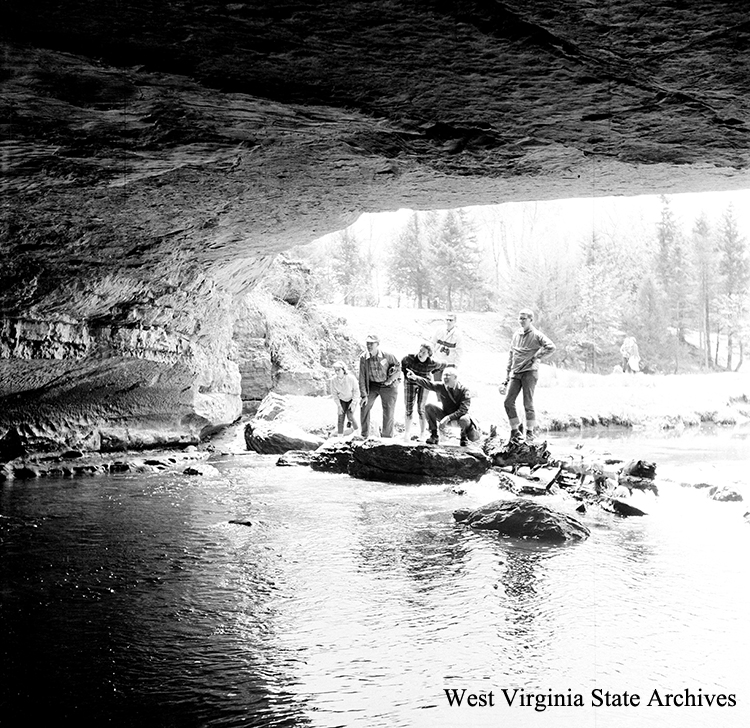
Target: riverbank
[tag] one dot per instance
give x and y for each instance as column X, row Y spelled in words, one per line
column 660, row 403
column 566, row 400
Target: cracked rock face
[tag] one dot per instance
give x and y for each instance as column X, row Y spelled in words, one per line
column 156, row 156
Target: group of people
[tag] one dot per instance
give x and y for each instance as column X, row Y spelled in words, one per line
column 434, row 367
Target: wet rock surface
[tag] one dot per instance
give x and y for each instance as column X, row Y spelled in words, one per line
column 75, row 465
column 399, row 463
column 724, row 494
column 294, row 458
column 523, row 518
column 621, row 507
column 504, row 452
column 278, row 439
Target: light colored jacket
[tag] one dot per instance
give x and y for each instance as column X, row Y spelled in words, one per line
column 447, row 346
column 345, row 388
column 526, row 349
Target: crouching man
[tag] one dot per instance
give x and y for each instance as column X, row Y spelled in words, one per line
column 455, row 401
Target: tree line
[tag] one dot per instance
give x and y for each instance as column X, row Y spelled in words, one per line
column 683, row 292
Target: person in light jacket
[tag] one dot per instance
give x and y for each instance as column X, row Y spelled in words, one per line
column 527, row 347
column 344, row 389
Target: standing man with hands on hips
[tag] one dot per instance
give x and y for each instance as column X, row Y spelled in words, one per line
column 527, row 347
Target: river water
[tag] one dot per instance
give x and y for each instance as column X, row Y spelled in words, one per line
column 130, row 600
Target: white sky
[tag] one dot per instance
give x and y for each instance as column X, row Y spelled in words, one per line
column 566, row 222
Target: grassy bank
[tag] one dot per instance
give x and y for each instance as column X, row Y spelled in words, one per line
column 565, row 399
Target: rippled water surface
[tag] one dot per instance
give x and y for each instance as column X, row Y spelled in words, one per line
column 131, row 600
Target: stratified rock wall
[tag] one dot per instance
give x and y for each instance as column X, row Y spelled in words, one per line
column 151, row 364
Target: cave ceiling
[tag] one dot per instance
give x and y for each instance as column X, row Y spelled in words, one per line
column 148, row 137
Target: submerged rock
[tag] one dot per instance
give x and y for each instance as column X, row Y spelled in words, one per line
column 621, row 508
column 523, row 518
column 200, row 469
column 724, row 494
column 295, row 457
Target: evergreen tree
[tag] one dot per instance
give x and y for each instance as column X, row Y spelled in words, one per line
column 734, row 269
column 649, row 326
column 350, row 268
column 455, row 260
column 598, row 309
column 408, row 271
column 673, row 269
column 704, row 263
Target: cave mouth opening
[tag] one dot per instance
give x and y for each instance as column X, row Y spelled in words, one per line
column 595, row 270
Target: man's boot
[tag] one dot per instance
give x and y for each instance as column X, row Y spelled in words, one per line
column 516, row 434
column 433, row 438
column 530, row 432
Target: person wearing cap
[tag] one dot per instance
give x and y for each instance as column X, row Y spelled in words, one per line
column 527, row 347
column 447, row 346
column 423, row 365
column 455, row 401
column 379, row 375
column 344, row 389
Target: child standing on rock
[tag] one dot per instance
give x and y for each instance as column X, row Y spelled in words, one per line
column 345, row 392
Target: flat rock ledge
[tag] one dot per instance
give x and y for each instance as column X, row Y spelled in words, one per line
column 399, row 463
column 74, row 464
column 523, row 518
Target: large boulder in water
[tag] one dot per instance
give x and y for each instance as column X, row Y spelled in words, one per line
column 278, row 439
column 400, row 463
column 523, row 518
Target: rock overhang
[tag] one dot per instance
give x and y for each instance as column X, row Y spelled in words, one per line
column 230, row 130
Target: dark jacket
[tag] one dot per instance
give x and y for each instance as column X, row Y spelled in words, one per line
column 420, row 368
column 455, row 402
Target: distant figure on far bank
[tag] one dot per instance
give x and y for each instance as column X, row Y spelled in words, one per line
column 447, row 346
column 344, row 389
column 631, row 357
column 423, row 365
column 527, row 347
column 455, row 401
column 379, row 375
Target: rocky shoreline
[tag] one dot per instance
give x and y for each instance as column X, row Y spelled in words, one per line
column 76, row 464
column 589, row 478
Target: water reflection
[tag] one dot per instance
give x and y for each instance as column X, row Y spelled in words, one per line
column 125, row 593
column 346, row 603
column 392, row 537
